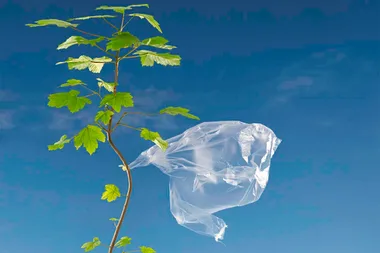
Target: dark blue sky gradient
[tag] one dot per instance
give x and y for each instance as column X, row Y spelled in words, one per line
column 310, row 70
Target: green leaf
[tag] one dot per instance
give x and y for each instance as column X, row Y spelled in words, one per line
column 158, row 42
column 59, row 144
column 79, row 40
column 178, row 111
column 104, row 116
column 88, row 246
column 111, row 193
column 91, row 17
column 148, row 58
column 108, row 86
column 89, row 137
column 114, row 219
column 69, row 99
column 122, row 40
column 72, row 82
column 149, row 18
column 117, row 100
column 155, row 137
column 144, row 249
column 121, row 9
column 83, row 62
column 56, row 22
column 124, row 241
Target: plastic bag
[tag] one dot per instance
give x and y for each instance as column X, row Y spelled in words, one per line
column 213, row 166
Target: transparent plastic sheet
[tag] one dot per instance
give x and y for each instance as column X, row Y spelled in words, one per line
column 213, row 166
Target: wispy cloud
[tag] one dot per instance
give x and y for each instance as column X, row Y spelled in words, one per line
column 7, row 115
column 19, row 194
column 68, row 121
column 308, row 77
column 7, row 96
column 330, row 56
column 6, row 119
column 295, row 83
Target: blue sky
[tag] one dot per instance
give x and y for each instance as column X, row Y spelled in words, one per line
column 310, row 70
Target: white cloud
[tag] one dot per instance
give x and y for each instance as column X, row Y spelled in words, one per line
column 297, row 82
column 308, row 77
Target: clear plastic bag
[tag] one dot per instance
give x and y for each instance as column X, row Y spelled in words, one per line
column 213, row 166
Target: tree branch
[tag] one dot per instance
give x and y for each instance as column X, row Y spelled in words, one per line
column 125, row 164
column 129, row 190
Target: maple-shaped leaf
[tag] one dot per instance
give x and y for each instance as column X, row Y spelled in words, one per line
column 178, row 111
column 56, row 22
column 69, row 99
column 95, row 65
column 124, row 241
column 59, row 144
column 108, row 86
column 111, row 193
column 72, row 82
column 144, row 249
column 148, row 58
column 155, row 137
column 148, row 18
column 117, row 100
column 104, row 116
column 158, row 42
column 79, row 40
column 121, row 9
column 88, row 246
column 89, row 137
column 122, row 40
column 92, row 17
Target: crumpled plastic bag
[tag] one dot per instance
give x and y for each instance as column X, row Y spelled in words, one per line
column 213, row 166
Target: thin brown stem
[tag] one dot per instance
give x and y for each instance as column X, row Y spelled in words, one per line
column 129, row 190
column 128, row 126
column 122, row 22
column 102, row 49
column 84, row 32
column 128, row 22
column 97, row 123
column 144, row 114
column 130, row 52
column 93, row 92
column 118, row 122
column 112, row 25
column 117, row 151
column 131, row 57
